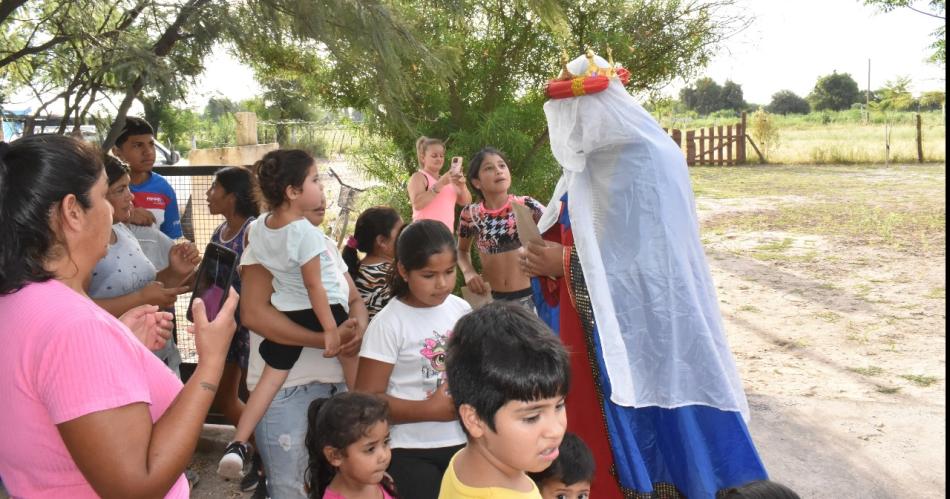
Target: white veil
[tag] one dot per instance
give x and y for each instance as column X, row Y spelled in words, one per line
column 636, row 233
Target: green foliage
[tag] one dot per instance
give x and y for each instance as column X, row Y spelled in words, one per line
column 764, row 131
column 706, row 96
column 471, row 71
column 932, row 101
column 80, row 52
column 787, row 102
column 895, row 96
column 835, row 92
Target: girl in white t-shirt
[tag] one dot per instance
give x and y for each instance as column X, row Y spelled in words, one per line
column 307, row 285
column 402, row 358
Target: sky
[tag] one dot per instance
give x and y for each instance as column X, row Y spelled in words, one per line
column 787, row 46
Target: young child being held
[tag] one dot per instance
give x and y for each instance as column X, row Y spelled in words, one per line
column 508, row 375
column 403, row 358
column 306, row 283
column 570, row 475
column 491, row 223
column 348, row 443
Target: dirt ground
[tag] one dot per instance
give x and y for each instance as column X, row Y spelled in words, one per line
column 841, row 344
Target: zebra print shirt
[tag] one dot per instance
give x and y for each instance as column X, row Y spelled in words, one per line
column 372, row 282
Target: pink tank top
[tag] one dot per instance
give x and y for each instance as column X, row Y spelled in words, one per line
column 442, row 208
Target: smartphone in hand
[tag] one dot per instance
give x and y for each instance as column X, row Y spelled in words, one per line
column 213, row 280
column 456, row 168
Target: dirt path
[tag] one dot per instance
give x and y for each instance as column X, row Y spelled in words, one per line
column 842, row 357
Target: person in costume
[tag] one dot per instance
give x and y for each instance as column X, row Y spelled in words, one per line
column 637, row 306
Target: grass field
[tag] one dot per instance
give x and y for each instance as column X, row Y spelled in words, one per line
column 842, row 137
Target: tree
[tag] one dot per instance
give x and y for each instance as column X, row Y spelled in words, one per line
column 104, row 50
column 895, row 96
column 935, row 9
column 218, row 107
column 494, row 58
column 787, row 102
column 834, row 92
column 731, row 96
column 704, row 96
column 932, row 101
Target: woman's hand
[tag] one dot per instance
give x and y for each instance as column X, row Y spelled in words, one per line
column 212, row 339
column 441, row 405
column 444, row 180
column 183, row 257
column 155, row 293
column 150, row 325
column 543, row 259
column 141, row 216
column 476, row 284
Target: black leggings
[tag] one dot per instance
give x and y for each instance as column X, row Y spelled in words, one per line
column 417, row 473
column 284, row 357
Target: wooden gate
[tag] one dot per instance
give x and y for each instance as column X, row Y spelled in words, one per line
column 716, row 145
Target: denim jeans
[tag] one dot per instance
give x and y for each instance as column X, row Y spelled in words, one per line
column 279, row 437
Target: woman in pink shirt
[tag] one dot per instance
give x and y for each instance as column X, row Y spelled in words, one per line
column 88, row 410
column 433, row 196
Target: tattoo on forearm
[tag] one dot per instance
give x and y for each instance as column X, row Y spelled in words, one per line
column 210, row 387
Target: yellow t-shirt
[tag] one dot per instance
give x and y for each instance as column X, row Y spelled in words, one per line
column 452, row 488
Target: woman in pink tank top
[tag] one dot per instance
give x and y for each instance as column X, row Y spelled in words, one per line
column 433, row 196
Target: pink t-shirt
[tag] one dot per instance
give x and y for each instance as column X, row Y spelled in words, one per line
column 332, row 494
column 442, row 208
column 62, row 357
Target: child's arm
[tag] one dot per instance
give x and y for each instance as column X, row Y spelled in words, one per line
column 372, row 376
column 317, row 294
column 472, row 279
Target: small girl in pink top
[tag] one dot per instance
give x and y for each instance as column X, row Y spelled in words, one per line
column 348, row 443
column 433, row 196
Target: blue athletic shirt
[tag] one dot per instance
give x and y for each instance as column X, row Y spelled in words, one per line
column 157, row 196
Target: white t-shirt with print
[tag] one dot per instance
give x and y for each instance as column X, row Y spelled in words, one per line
column 413, row 340
column 284, row 251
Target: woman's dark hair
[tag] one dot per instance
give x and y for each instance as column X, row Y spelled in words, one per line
column 374, row 221
column 475, row 164
column 115, row 168
column 338, row 422
column 279, row 169
column 574, row 463
column 240, row 181
column 36, row 172
column 759, row 489
column 416, row 243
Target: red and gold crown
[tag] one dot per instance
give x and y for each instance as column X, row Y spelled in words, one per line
column 594, row 79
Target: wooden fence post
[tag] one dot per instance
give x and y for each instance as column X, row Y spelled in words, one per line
column 690, row 147
column 701, row 158
column 678, row 137
column 720, row 144
column 731, row 139
column 920, row 145
column 740, row 136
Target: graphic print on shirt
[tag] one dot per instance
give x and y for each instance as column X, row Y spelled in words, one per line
column 433, row 352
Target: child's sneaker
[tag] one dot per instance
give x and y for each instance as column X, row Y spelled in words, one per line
column 231, row 465
column 249, row 482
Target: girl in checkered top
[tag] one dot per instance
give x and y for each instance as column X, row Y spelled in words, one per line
column 490, row 223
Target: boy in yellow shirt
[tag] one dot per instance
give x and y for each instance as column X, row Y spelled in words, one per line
column 508, row 375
